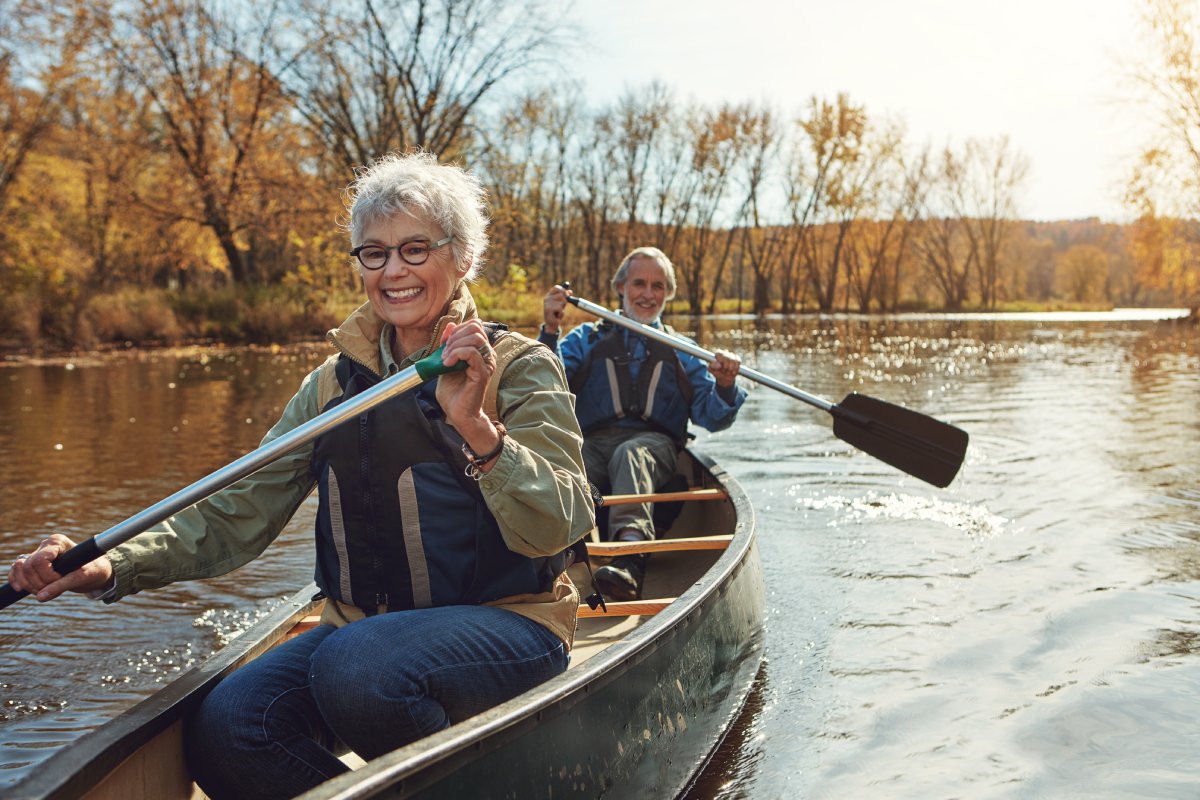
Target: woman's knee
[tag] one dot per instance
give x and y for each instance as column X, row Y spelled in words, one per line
column 371, row 696
column 358, row 670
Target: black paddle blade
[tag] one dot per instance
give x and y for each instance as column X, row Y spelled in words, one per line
column 908, row 440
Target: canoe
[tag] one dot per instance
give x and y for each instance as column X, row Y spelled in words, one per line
column 651, row 690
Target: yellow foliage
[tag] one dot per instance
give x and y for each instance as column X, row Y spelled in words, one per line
column 1167, row 256
column 1081, row 273
column 517, row 280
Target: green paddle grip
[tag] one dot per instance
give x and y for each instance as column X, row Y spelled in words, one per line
column 431, row 365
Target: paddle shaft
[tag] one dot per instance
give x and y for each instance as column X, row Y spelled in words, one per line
column 698, row 352
column 429, row 367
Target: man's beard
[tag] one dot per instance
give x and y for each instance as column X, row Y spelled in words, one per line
column 637, row 315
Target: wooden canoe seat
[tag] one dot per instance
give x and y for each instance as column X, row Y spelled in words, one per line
column 303, row 626
column 610, row 549
column 626, row 608
column 665, row 497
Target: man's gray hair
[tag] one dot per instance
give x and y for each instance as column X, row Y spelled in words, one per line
column 646, row 252
column 415, row 182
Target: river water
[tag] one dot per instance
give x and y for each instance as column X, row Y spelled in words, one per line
column 1032, row 631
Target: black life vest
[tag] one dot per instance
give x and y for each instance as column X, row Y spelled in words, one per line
column 399, row 523
column 606, row 392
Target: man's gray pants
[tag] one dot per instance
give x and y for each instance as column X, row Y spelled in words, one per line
column 625, row 461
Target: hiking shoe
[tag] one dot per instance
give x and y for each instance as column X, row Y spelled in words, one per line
column 622, row 579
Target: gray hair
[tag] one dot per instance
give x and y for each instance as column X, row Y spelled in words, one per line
column 646, row 252
column 407, row 183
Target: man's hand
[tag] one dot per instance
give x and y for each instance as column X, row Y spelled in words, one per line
column 724, row 368
column 553, row 306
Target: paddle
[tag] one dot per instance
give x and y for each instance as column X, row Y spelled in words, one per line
column 85, row 552
column 908, row 440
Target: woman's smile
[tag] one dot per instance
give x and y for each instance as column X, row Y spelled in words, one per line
column 401, row 295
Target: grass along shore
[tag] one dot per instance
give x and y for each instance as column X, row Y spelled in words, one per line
column 280, row 315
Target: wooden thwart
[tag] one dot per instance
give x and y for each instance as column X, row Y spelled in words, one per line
column 665, row 497
column 627, row 608
column 658, row 545
column 303, row 626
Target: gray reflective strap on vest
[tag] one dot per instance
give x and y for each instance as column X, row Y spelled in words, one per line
column 337, row 527
column 614, row 388
column 414, row 547
column 653, row 387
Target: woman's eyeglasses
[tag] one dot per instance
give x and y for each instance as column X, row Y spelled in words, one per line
column 416, row 253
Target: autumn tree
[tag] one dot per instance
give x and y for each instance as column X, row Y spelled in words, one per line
column 1038, row 256
column 985, row 199
column 202, row 69
column 943, row 239
column 1082, row 273
column 826, row 186
column 639, row 119
column 109, row 145
column 558, row 251
column 1164, row 184
column 525, row 163
column 760, row 246
column 595, row 179
column 906, row 211
column 676, row 179
column 40, row 45
column 372, row 76
column 885, row 203
column 718, row 144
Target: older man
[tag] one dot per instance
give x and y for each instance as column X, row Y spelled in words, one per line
column 634, row 398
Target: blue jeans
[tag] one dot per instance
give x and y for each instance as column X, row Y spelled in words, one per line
column 270, row 729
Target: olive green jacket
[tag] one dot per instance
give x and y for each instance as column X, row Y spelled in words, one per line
column 536, row 488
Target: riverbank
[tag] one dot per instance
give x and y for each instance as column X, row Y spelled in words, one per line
column 159, row 319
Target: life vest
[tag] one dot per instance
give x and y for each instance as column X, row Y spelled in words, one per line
column 606, row 392
column 399, row 523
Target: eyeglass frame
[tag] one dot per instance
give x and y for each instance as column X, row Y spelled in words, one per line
column 357, row 252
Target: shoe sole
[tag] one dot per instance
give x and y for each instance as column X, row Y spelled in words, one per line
column 613, row 587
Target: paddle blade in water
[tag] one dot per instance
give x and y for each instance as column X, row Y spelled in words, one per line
column 908, row 440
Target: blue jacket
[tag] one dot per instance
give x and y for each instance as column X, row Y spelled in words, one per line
column 623, row 379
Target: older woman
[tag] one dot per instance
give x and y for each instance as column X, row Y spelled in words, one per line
column 440, row 527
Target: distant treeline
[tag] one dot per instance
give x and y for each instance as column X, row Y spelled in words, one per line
column 176, row 168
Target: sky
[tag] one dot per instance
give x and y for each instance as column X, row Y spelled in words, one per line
column 1049, row 74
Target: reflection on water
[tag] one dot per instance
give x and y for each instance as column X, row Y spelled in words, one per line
column 1029, row 631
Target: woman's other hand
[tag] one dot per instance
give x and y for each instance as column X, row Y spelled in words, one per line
column 460, row 394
